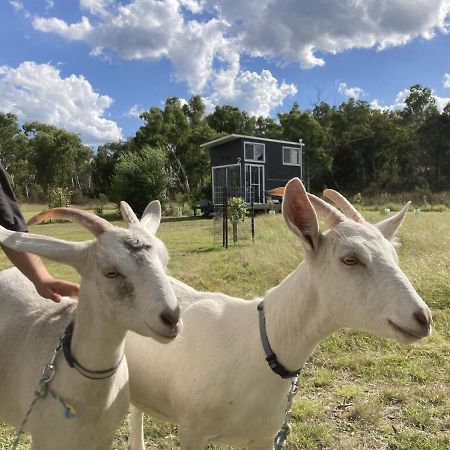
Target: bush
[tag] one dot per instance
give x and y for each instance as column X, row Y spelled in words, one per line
column 140, row 178
column 59, row 197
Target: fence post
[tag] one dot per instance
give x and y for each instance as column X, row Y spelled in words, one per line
column 252, row 216
column 225, row 217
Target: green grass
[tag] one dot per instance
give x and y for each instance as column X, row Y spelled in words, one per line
column 357, row 391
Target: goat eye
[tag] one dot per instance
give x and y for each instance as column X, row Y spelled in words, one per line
column 349, row 260
column 112, row 274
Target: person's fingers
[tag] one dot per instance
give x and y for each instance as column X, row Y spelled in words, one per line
column 55, row 297
column 46, row 292
column 65, row 288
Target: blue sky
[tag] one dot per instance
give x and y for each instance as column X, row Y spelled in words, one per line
column 91, row 66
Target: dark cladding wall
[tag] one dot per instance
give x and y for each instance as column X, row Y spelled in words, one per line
column 277, row 173
column 226, row 154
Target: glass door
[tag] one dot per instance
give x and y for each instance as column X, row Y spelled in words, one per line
column 254, row 183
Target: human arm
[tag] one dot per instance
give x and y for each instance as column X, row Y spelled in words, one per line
column 34, row 269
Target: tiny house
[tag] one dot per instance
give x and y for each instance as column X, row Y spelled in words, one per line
column 249, row 166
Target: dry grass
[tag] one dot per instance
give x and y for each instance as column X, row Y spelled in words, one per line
column 357, row 391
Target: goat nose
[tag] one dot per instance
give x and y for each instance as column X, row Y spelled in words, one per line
column 170, row 318
column 423, row 317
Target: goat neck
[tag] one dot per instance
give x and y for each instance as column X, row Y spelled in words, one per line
column 97, row 344
column 296, row 321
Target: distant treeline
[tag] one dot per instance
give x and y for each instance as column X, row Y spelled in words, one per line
column 353, row 148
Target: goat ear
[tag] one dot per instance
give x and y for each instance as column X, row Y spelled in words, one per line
column 151, row 217
column 300, row 215
column 389, row 226
column 66, row 252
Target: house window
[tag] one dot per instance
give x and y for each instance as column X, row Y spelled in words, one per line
column 291, row 156
column 254, row 152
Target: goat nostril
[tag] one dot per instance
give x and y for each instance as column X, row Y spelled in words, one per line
column 422, row 317
column 170, row 318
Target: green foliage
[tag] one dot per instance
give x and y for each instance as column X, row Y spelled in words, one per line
column 351, row 147
column 59, row 197
column 104, row 162
column 229, row 119
column 237, row 209
column 139, row 178
column 59, row 157
column 179, row 130
column 297, row 125
column 357, row 199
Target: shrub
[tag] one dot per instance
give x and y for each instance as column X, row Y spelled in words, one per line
column 237, row 211
column 357, row 199
column 139, row 178
column 59, row 197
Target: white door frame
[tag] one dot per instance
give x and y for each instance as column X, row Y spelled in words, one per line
column 261, row 173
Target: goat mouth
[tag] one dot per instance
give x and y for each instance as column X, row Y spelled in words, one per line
column 166, row 333
column 410, row 335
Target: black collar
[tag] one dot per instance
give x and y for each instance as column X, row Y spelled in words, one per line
column 271, row 357
column 71, row 360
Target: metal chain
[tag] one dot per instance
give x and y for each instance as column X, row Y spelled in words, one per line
column 42, row 390
column 282, row 435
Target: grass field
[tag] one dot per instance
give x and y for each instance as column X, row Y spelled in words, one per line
column 357, row 391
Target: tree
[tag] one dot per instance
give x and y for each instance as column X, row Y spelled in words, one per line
column 179, row 129
column 15, row 155
column 104, row 163
column 420, row 104
column 57, row 155
column 297, row 125
column 140, row 177
column 229, row 119
column 11, row 139
column 434, row 143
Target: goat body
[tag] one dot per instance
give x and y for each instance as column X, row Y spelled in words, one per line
column 214, row 381
column 123, row 287
column 29, row 331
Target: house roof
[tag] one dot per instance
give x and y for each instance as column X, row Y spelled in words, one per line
column 232, row 137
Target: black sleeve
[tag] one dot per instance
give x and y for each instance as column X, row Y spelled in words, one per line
column 10, row 215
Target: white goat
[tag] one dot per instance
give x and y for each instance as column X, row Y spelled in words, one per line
column 214, row 381
column 123, row 287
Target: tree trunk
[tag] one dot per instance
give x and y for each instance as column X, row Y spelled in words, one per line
column 182, row 173
column 235, row 232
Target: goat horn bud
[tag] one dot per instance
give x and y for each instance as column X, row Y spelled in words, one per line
column 329, row 213
column 341, row 202
column 96, row 225
column 128, row 214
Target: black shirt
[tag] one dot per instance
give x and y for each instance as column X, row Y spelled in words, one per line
column 10, row 215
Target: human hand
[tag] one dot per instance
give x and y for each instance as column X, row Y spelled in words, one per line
column 54, row 289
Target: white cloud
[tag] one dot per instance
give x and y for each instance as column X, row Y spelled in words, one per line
column 135, row 111
column 19, row 7
column 305, row 31
column 441, row 102
column 400, row 104
column 255, row 93
column 351, row 92
column 446, row 80
column 205, row 49
column 38, row 92
column 96, row 7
